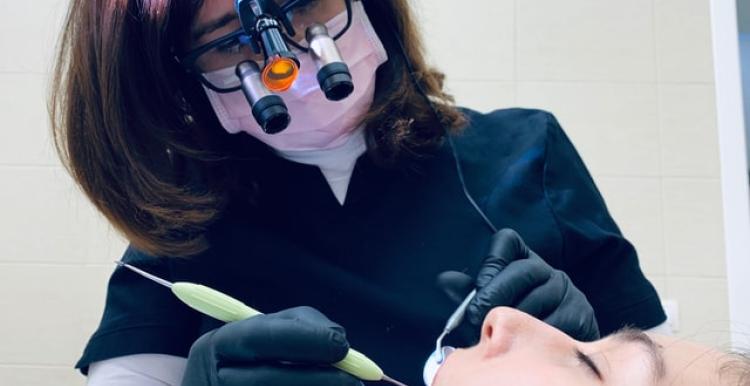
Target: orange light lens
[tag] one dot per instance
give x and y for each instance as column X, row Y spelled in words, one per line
column 280, row 74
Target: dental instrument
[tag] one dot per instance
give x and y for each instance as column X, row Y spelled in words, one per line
column 454, row 321
column 437, row 358
column 227, row 309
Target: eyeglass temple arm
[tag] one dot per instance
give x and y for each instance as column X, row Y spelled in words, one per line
column 291, row 4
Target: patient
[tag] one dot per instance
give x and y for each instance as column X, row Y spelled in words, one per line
column 518, row 350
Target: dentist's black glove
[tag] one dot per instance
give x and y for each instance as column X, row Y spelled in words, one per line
column 512, row 275
column 294, row 347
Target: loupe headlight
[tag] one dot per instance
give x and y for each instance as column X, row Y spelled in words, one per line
column 269, row 110
column 282, row 66
column 333, row 74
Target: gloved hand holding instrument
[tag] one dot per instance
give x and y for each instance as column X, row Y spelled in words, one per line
column 291, row 348
column 512, row 275
column 294, row 347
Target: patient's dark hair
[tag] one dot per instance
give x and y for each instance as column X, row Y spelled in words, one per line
column 737, row 368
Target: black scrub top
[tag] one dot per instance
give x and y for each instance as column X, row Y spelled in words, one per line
column 371, row 264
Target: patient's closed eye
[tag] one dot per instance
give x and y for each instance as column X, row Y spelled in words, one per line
column 589, row 363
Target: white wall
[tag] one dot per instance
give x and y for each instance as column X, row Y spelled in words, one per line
column 631, row 81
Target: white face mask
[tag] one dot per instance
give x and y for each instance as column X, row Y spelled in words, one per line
column 317, row 123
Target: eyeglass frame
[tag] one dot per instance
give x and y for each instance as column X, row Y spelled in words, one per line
column 188, row 60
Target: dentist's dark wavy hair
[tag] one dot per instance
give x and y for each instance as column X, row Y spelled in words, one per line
column 140, row 138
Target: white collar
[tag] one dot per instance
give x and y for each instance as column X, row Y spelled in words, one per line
column 336, row 164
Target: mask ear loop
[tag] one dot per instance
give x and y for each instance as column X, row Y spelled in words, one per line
column 438, row 116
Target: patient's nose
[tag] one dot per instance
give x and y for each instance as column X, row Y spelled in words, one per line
column 504, row 328
column 500, row 327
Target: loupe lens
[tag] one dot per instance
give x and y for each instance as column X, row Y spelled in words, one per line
column 333, row 74
column 269, row 110
column 336, row 81
column 271, row 114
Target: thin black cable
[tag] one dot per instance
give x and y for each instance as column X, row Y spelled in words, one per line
column 460, row 172
column 459, row 169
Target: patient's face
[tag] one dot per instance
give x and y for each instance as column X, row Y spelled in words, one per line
column 519, row 350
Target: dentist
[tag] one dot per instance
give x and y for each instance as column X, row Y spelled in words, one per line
column 304, row 153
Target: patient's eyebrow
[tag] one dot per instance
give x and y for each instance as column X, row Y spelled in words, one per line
column 630, row 335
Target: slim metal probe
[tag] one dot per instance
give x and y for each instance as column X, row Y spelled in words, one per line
column 392, row 381
column 454, row 321
column 145, row 274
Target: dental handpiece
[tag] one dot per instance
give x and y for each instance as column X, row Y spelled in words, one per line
column 453, row 322
column 228, row 309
